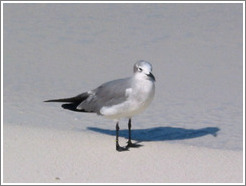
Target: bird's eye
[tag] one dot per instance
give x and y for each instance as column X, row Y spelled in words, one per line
column 140, row 69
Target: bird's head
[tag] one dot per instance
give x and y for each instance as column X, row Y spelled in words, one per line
column 143, row 69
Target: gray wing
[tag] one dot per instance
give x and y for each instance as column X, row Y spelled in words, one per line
column 108, row 94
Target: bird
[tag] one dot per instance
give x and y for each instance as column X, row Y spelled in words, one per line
column 116, row 99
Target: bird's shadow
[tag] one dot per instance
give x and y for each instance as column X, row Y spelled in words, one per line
column 160, row 133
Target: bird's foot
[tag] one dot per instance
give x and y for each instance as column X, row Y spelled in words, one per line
column 133, row 145
column 120, row 149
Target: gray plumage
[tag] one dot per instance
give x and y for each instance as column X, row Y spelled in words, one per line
column 108, row 94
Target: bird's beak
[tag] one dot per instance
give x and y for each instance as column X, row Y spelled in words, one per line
column 151, row 76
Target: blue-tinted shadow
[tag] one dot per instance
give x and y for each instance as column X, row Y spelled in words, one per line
column 160, row 133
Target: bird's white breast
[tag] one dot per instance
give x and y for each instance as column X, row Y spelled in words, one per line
column 139, row 97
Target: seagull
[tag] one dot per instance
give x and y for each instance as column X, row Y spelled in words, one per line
column 121, row 98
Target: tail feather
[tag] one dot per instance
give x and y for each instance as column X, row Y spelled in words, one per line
column 73, row 107
column 73, row 102
column 77, row 99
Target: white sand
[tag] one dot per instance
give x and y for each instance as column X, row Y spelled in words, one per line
column 59, row 50
column 41, row 155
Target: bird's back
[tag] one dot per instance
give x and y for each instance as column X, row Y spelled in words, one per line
column 108, row 94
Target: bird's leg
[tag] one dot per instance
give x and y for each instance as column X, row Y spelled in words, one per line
column 129, row 131
column 129, row 143
column 118, row 147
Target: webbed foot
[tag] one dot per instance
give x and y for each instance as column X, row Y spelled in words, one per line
column 133, row 145
column 120, row 149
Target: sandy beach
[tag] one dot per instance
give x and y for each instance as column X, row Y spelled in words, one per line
column 191, row 133
column 77, row 157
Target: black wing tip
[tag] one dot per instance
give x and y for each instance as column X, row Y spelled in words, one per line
column 77, row 99
column 73, row 107
column 46, row 101
column 53, row 100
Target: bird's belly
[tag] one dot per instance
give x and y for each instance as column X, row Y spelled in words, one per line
column 122, row 110
column 135, row 104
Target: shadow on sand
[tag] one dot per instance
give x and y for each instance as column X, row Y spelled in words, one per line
column 160, row 133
